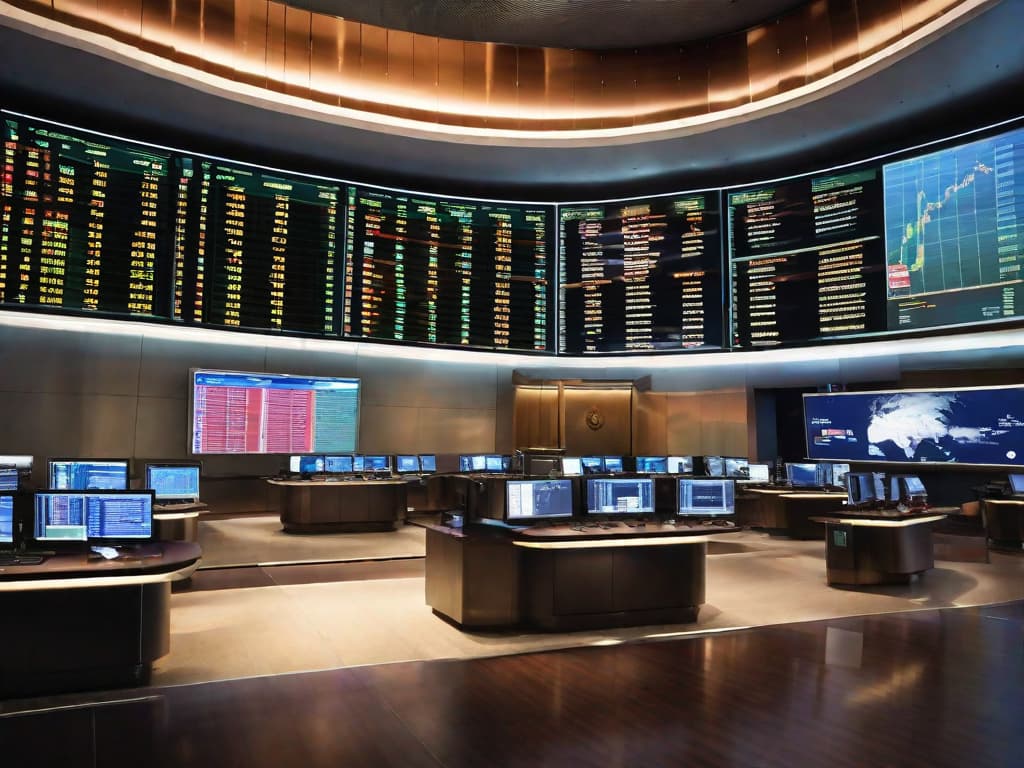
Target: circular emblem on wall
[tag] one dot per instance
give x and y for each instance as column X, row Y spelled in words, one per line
column 594, row 418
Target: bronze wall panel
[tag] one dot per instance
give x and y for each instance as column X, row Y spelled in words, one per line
column 558, row 93
column 502, row 91
column 791, row 36
column 728, row 72
column 820, row 60
column 296, row 51
column 535, row 416
column 424, row 70
column 658, row 90
column 618, row 88
column 878, row 21
column 530, row 97
column 650, row 436
column 123, row 15
column 83, row 9
column 350, row 64
column 614, row 437
column 474, row 82
column 325, row 50
column 917, row 12
column 218, row 30
column 450, row 71
column 157, row 25
column 275, row 45
column 763, row 61
column 693, row 82
column 587, row 93
column 401, row 78
column 845, row 32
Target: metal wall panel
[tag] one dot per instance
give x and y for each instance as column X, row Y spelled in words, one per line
column 877, row 21
column 650, row 431
column 165, row 364
column 162, row 429
column 728, row 72
column 276, row 42
column 297, row 47
column 453, row 430
column 765, row 70
column 327, row 47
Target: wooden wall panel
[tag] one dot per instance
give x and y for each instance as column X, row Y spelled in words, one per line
column 326, row 49
column 820, row 59
column 764, row 70
column 614, row 438
column 218, row 30
column 298, row 26
column 401, row 77
column 122, row 15
column 535, row 416
column 792, row 41
column 728, row 72
column 877, row 21
column 275, row 45
column 451, row 96
column 842, row 16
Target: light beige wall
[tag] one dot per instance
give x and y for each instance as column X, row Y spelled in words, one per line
column 683, row 423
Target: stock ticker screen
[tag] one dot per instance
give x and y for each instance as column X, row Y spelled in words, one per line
column 641, row 275
column 807, row 259
column 452, row 272
column 82, row 223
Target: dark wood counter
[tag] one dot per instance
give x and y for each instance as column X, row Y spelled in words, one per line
column 78, row 621
column 344, row 506
column 785, row 510
column 558, row 578
column 1004, row 521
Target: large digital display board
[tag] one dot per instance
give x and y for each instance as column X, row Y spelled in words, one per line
column 807, row 259
column 954, row 234
column 255, row 249
column 454, row 272
column 983, row 425
column 83, row 221
column 640, row 275
column 236, row 412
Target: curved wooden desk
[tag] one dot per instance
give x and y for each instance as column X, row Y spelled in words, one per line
column 77, row 621
column 1004, row 521
column 557, row 578
column 344, row 506
column 786, row 510
column 879, row 547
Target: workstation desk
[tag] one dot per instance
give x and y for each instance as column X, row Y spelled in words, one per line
column 786, row 510
column 1004, row 521
column 78, row 621
column 341, row 506
column 558, row 578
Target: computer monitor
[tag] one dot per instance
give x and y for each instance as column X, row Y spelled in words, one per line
column 6, row 520
column 9, row 478
column 864, row 488
column 613, row 464
column 88, row 474
column 530, row 500
column 620, row 496
column 680, row 465
column 737, row 468
column 839, row 472
column 102, row 516
column 759, row 473
column 428, row 463
column 173, row 482
column 572, row 465
column 807, row 475
column 714, row 466
column 21, row 461
column 905, row 487
column 306, row 465
column 338, row 465
column 652, row 465
column 702, row 497
column 376, row 464
column 1017, row 484
column 473, row 463
column 592, row 465
column 406, row 464
column 494, row 464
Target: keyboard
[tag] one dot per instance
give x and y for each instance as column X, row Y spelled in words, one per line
column 178, row 506
column 16, row 559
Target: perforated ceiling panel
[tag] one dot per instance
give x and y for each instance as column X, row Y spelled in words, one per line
column 560, row 23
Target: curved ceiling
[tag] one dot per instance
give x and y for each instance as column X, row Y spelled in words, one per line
column 580, row 24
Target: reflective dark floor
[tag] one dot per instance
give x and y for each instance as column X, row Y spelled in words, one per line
column 930, row 688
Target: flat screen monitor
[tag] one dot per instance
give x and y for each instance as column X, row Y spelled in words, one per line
column 235, row 412
column 529, row 500
column 88, row 474
column 714, row 466
column 428, row 463
column 9, row 477
column 805, row 475
column 613, row 464
column 571, row 466
column 473, row 463
column 905, row 486
column 652, row 465
column 338, row 465
column 680, row 465
column 494, row 464
column 22, row 462
column 375, row 464
column 306, row 465
column 1017, row 484
column 407, row 464
column 701, row 497
column 737, row 468
column 620, row 496
column 592, row 465
column 6, row 519
column 109, row 516
column 982, row 425
column 864, row 487
column 759, row 473
column 178, row 482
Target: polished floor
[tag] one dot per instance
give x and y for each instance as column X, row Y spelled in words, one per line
column 935, row 688
column 273, row 620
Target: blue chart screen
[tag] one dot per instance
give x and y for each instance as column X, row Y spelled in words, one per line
column 6, row 519
column 82, row 516
column 954, row 220
column 174, row 482
column 634, row 496
column 86, row 475
column 973, row 426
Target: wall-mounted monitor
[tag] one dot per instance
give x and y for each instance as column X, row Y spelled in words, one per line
column 6, row 519
column 759, row 473
column 652, row 465
column 572, row 466
column 406, row 464
column 103, row 516
column 620, row 496
column 428, row 463
column 173, row 482
column 737, row 468
column 235, row 412
column 680, row 465
column 9, row 478
column 982, row 425
column 86, row 474
column 531, row 500
column 702, row 497
column 641, row 275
